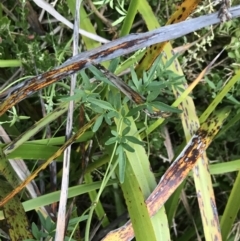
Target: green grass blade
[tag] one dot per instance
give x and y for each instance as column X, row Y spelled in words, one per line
column 231, row 210
column 128, row 21
column 220, row 96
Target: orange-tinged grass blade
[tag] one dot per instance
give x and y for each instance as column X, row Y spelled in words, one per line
column 53, row 157
column 29, row 87
column 186, row 160
column 182, row 13
column 177, row 172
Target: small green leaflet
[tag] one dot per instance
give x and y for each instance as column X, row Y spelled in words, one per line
column 101, row 103
column 121, row 163
column 98, row 123
column 163, row 107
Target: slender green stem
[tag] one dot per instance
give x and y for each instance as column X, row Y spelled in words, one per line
column 128, row 21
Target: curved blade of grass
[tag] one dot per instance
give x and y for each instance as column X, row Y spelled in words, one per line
column 225, row 167
column 230, row 123
column 32, row 151
column 42, row 149
column 61, row 139
column 220, row 96
column 231, row 209
column 53, row 157
column 35, row 128
column 54, row 196
column 187, row 159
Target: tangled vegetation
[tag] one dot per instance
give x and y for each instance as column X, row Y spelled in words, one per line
column 119, row 149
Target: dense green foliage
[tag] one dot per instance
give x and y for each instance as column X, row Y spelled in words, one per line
column 27, row 49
